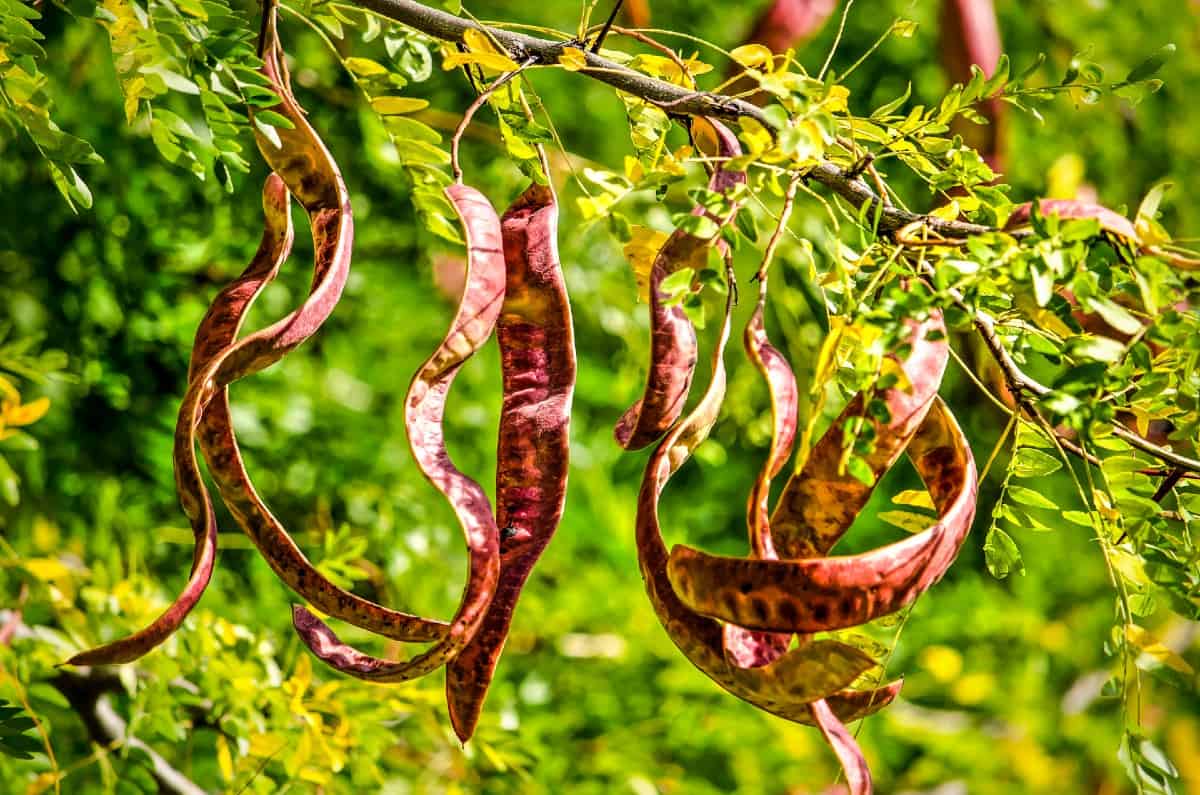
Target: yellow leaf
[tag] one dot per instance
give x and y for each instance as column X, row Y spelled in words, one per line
column 836, row 100
column 633, row 169
column 753, row 56
column 757, row 137
column 266, row 745
column 365, row 67
column 704, row 137
column 488, row 60
column 827, row 357
column 572, row 59
column 8, row 392
column 26, row 414
column 47, row 569
column 224, row 758
column 395, row 106
column 477, row 41
column 1149, row 645
column 917, row 498
column 642, row 248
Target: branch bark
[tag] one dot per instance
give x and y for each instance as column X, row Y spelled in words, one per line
column 88, row 695
column 677, row 99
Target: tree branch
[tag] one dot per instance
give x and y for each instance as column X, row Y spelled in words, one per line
column 1022, row 384
column 520, row 46
column 88, row 695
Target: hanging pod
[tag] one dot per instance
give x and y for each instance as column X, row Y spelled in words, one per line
column 537, row 356
column 672, row 338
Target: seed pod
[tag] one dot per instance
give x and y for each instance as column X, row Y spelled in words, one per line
column 747, row 648
column 223, row 320
column 701, row 640
column 672, row 338
column 1112, row 224
column 819, row 502
column 537, row 355
column 424, row 409
column 858, row 775
column 817, row 594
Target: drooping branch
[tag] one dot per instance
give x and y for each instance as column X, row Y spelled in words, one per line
column 1023, row 386
column 679, row 100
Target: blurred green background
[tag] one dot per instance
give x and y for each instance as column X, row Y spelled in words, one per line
column 1003, row 678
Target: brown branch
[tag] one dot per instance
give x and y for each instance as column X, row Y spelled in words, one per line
column 87, row 693
column 1022, row 385
column 521, row 46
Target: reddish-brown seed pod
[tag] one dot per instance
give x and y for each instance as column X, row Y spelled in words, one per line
column 786, row 686
column 223, row 320
column 217, row 438
column 1111, row 223
column 854, row 764
column 819, row 502
column 425, row 406
column 817, row 594
column 970, row 36
column 747, row 648
column 672, row 338
column 537, row 355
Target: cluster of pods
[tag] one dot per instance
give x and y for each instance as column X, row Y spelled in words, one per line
column 747, row 623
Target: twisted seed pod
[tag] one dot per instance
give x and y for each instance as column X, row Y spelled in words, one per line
column 672, row 337
column 818, row 594
column 747, row 648
column 314, row 178
column 224, row 320
column 424, row 409
column 788, row 685
column 819, row 502
column 537, row 355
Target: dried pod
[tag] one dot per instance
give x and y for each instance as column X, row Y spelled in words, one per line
column 817, row 594
column 537, row 355
column 223, row 321
column 672, row 338
column 424, row 409
column 748, row 648
column 700, row 638
column 1112, row 224
column 970, row 36
column 326, row 197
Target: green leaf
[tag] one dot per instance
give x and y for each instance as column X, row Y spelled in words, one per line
column 1001, row 554
column 1032, row 463
column 1030, row 497
column 1149, row 67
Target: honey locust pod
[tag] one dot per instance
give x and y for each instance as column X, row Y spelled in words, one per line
column 476, row 317
column 537, row 357
column 672, row 338
column 748, row 648
column 224, row 320
column 786, row 686
column 814, row 594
